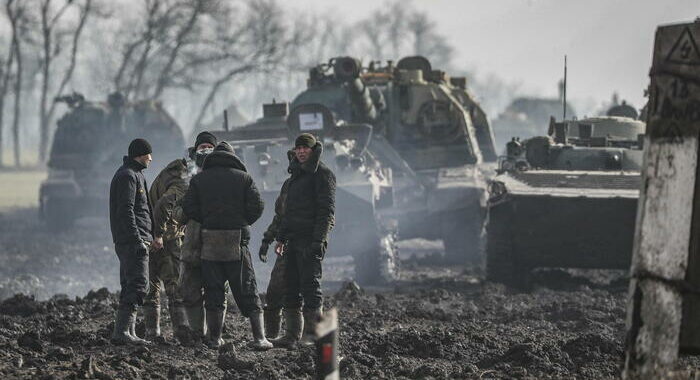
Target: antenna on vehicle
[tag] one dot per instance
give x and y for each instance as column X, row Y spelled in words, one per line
column 226, row 120
column 564, row 94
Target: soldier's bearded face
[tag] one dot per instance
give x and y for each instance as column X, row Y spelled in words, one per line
column 302, row 153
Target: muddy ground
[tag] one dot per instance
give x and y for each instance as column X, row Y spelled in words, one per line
column 437, row 322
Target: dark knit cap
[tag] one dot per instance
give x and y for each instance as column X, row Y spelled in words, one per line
column 224, row 146
column 139, row 147
column 205, row 137
column 305, row 139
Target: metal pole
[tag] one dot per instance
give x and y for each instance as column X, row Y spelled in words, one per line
column 327, row 347
column 563, row 118
column 666, row 254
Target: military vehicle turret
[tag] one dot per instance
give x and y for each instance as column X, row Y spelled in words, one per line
column 568, row 199
column 88, row 146
column 429, row 130
column 363, row 190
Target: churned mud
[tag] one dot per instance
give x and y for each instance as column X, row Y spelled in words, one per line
column 438, row 322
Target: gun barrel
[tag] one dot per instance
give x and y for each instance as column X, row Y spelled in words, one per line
column 362, row 99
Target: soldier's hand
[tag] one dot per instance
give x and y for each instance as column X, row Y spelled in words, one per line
column 279, row 248
column 263, row 251
column 157, row 244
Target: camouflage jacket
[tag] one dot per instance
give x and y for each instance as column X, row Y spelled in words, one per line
column 271, row 233
column 166, row 192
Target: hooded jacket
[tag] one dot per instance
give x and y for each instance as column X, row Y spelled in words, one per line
column 309, row 207
column 167, row 189
column 223, row 196
column 130, row 216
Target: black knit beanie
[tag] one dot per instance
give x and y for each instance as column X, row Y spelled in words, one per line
column 224, row 146
column 305, row 139
column 139, row 147
column 205, row 137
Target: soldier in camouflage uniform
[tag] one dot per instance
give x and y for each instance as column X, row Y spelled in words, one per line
column 168, row 188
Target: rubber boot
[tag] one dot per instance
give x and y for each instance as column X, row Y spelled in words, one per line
column 273, row 319
column 292, row 330
column 178, row 318
column 215, row 324
column 132, row 329
column 195, row 317
column 151, row 317
column 122, row 325
column 257, row 325
column 311, row 319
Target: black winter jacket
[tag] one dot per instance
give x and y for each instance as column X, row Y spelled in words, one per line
column 310, row 203
column 130, row 216
column 223, row 196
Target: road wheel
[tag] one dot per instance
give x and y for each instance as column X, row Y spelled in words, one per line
column 379, row 265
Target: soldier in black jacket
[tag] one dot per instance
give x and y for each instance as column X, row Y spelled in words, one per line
column 225, row 201
column 131, row 222
column 302, row 236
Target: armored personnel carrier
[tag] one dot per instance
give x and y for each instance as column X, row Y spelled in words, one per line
column 429, row 130
column 363, row 190
column 88, row 146
column 568, row 199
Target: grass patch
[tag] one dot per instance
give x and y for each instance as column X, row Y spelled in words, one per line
column 20, row 188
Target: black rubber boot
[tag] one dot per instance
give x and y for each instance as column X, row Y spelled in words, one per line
column 293, row 323
column 195, row 317
column 151, row 317
column 273, row 320
column 132, row 330
column 178, row 319
column 122, row 325
column 215, row 324
column 311, row 319
column 257, row 325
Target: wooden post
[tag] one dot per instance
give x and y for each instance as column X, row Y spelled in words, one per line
column 327, row 347
column 664, row 244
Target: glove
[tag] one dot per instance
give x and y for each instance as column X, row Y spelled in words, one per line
column 262, row 254
column 318, row 249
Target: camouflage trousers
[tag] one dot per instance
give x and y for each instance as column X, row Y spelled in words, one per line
column 164, row 273
column 274, row 298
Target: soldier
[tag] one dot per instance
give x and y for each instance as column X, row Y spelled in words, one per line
column 164, row 265
column 190, row 281
column 224, row 200
column 131, row 223
column 308, row 217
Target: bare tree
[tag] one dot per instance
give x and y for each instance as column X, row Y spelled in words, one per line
column 17, row 13
column 53, row 36
column 5, row 76
column 259, row 43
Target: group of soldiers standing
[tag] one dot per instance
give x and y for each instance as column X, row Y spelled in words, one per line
column 189, row 235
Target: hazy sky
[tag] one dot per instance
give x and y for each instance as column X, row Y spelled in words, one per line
column 608, row 42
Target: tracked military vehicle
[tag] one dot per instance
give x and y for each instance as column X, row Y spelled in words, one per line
column 363, row 188
column 88, row 146
column 429, row 130
column 568, row 199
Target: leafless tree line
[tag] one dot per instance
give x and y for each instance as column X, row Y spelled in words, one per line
column 198, row 54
